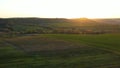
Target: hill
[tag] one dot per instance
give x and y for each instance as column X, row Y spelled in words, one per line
column 59, row 43
column 59, row 25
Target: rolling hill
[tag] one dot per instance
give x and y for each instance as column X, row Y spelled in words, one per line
column 59, row 43
column 59, row 25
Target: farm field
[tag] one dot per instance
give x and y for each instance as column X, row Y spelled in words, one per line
column 60, row 51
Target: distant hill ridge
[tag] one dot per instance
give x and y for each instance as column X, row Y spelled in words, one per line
column 59, row 25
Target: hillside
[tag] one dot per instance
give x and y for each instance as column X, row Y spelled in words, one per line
column 109, row 21
column 59, row 25
column 59, row 43
column 60, row 51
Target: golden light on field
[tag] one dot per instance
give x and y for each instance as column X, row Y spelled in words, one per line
column 60, row 8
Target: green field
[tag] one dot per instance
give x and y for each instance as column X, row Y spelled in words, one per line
column 60, row 51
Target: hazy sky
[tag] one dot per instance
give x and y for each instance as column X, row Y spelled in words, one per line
column 60, row 8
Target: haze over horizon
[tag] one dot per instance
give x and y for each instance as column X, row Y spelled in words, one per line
column 60, row 8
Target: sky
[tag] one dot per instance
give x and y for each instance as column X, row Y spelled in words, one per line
column 60, row 8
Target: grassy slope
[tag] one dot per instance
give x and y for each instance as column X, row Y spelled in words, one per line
column 89, row 51
column 108, row 41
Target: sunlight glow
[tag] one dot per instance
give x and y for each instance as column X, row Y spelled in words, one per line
column 60, row 8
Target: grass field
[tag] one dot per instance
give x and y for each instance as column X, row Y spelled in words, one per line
column 61, row 51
